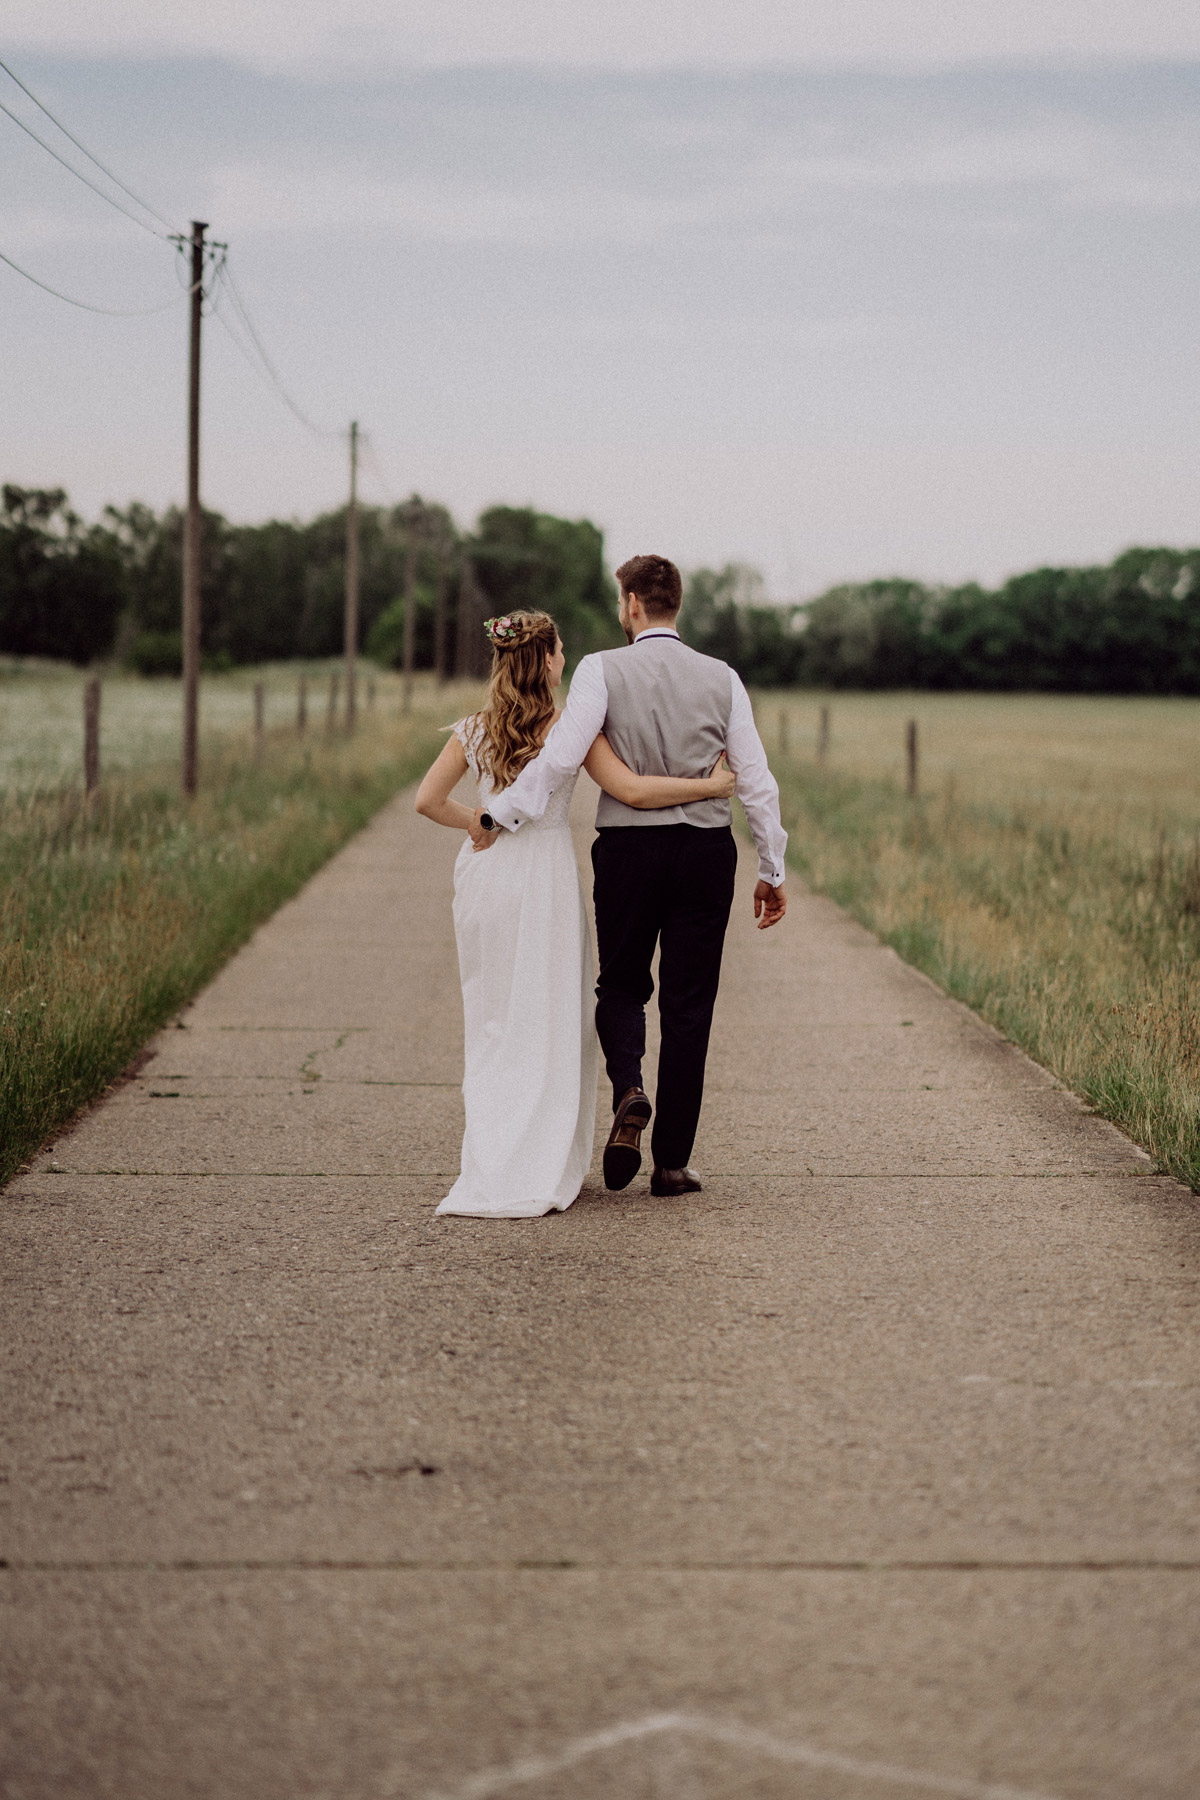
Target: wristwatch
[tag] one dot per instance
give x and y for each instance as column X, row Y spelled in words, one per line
column 487, row 821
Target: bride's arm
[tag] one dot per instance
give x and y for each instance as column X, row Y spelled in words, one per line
column 433, row 795
column 648, row 792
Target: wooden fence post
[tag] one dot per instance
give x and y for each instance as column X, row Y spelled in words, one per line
column 302, row 707
column 91, row 735
column 370, row 693
column 783, row 734
column 259, row 720
column 823, row 736
column 334, row 685
column 910, row 746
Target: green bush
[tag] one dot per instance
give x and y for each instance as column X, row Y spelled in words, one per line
column 156, row 653
column 385, row 641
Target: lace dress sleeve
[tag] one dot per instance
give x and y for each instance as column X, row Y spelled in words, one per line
column 467, row 732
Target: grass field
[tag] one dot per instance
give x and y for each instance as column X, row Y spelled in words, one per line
column 41, row 716
column 1048, row 873
column 114, row 911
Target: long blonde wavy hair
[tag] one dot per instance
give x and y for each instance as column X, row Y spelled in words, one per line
column 520, row 702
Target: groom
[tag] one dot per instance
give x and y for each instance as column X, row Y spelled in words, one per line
column 661, row 878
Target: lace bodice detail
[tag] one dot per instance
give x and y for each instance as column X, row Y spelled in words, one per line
column 468, row 732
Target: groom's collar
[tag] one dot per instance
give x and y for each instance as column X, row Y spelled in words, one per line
column 656, row 631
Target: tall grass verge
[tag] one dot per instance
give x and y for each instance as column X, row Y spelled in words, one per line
column 1077, row 939
column 114, row 912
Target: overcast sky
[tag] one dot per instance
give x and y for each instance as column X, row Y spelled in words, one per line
column 641, row 34
column 839, row 291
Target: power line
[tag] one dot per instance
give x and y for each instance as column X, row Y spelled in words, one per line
column 112, row 312
column 226, row 277
column 258, row 358
column 238, row 340
column 70, row 167
column 42, row 107
column 264, row 365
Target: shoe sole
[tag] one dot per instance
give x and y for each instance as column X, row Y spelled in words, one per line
column 621, row 1164
column 622, row 1161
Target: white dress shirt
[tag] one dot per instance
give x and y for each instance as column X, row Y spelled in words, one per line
column 569, row 741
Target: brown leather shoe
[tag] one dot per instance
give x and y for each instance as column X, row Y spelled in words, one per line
column 670, row 1183
column 623, row 1151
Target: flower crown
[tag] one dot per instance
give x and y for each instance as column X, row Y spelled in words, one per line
column 502, row 632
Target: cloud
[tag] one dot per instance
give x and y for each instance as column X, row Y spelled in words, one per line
column 562, row 180
column 630, row 34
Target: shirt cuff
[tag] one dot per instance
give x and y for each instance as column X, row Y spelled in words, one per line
column 502, row 811
column 768, row 872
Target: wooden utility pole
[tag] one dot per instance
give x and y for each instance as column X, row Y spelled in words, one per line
column 910, row 748
column 352, row 581
column 192, row 525
column 439, row 619
column 91, row 735
column 473, row 658
column 410, row 599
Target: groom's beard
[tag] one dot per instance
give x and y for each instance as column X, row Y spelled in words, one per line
column 628, row 630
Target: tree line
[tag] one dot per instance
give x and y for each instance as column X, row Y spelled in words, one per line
column 1129, row 627
column 111, row 589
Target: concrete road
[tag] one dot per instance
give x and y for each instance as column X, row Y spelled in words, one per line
column 871, row 1470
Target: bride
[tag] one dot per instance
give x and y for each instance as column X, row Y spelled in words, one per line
column 524, row 944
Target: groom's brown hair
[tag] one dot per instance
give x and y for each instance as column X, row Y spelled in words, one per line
column 656, row 582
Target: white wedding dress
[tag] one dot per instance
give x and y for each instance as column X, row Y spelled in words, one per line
column 525, row 958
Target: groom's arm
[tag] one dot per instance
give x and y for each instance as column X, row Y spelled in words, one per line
column 756, row 787
column 562, row 754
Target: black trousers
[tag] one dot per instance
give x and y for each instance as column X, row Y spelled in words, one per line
column 670, row 885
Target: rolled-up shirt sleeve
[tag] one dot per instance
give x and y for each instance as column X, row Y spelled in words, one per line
column 562, row 754
column 756, row 787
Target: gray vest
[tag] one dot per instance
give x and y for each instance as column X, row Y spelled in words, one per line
column 668, row 714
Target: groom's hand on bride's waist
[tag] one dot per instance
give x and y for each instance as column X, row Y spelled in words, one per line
column 770, row 904
column 481, row 838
